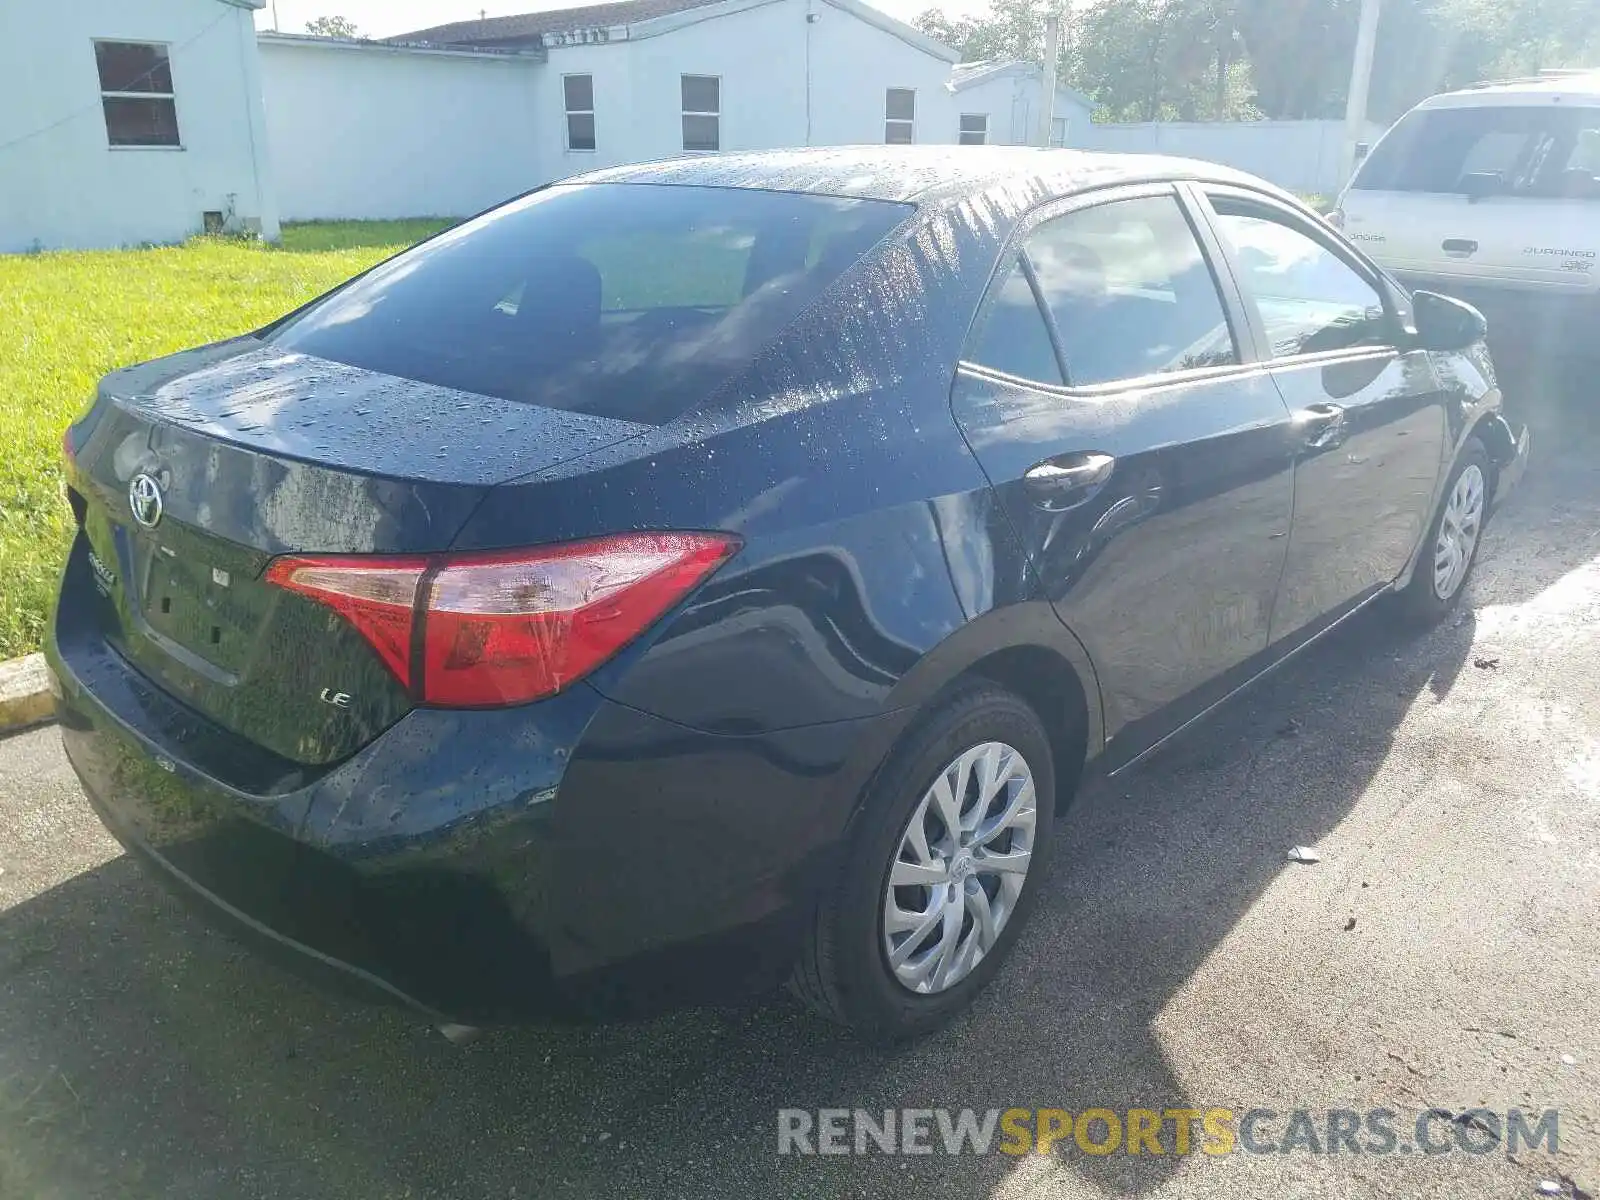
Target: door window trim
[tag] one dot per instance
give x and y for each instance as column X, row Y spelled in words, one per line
column 1312, row 227
column 1236, row 312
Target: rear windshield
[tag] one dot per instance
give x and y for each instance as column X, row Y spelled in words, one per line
column 633, row 301
column 1543, row 150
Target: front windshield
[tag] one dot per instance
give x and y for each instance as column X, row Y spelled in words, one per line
column 1531, row 150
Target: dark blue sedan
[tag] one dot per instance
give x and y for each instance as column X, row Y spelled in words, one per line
column 702, row 574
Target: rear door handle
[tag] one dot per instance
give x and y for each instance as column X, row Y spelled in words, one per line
column 1459, row 246
column 1067, row 480
column 1323, row 425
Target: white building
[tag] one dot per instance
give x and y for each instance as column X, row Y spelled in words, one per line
column 998, row 101
column 125, row 121
column 129, row 121
column 449, row 120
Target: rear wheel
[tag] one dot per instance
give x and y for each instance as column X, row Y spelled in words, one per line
column 1451, row 549
column 941, row 871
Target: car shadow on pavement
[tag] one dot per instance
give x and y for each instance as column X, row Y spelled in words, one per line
column 143, row 1054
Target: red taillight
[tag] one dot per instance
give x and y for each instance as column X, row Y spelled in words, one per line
column 376, row 595
column 505, row 628
column 1335, row 218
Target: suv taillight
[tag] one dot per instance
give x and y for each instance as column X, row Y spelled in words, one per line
column 487, row 630
column 1335, row 218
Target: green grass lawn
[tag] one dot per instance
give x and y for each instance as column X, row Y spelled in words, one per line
column 67, row 318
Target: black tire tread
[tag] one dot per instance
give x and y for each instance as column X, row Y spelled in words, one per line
column 815, row 978
column 1416, row 602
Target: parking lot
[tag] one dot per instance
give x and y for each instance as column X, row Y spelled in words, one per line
column 1443, row 953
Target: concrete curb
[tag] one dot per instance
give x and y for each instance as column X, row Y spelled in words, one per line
column 25, row 697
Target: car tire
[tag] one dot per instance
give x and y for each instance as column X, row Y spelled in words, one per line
column 845, row 971
column 1434, row 591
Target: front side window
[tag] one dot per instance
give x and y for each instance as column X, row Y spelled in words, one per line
column 1130, row 292
column 578, row 91
column 1525, row 150
column 1311, row 301
column 974, row 129
column 702, row 112
column 899, row 116
column 136, row 93
column 630, row 301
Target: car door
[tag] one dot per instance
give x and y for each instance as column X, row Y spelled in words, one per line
column 1368, row 407
column 1144, row 461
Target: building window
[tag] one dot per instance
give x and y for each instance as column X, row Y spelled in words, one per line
column 974, row 129
column 578, row 91
column 1058, row 132
column 136, row 93
column 702, row 112
column 899, row 116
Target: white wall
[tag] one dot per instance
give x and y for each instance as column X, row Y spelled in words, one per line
column 63, row 186
column 1302, row 156
column 364, row 130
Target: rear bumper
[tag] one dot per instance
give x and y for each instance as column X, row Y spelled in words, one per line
column 299, row 957
column 570, row 856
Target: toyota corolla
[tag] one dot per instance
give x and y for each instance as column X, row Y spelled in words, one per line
column 704, row 574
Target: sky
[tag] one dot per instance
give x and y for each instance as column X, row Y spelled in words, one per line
column 384, row 18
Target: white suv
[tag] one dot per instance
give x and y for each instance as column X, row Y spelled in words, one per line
column 1493, row 194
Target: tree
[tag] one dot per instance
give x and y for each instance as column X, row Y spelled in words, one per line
column 1155, row 60
column 1010, row 29
column 1300, row 53
column 1288, row 59
column 1522, row 36
column 339, row 27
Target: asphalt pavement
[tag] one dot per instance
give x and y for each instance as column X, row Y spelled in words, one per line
column 1444, row 953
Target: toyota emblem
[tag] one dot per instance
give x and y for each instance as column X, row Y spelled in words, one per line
column 144, row 500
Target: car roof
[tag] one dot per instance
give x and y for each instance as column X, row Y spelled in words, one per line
column 1552, row 87
column 919, row 174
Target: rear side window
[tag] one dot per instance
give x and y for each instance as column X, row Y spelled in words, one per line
column 1529, row 150
column 1013, row 337
column 631, row 301
column 1130, row 292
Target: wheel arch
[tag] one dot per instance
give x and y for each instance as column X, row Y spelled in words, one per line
column 1025, row 649
column 1494, row 431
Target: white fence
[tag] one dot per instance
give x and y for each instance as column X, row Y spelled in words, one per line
column 1302, row 156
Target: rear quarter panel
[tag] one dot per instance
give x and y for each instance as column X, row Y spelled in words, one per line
column 870, row 534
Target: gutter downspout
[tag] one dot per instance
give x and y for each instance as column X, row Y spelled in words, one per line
column 811, row 19
column 255, row 122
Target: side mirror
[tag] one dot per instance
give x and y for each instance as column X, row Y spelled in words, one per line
column 1445, row 323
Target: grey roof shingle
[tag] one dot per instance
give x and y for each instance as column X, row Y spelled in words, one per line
column 528, row 28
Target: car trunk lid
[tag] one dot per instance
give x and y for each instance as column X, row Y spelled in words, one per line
column 195, row 472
